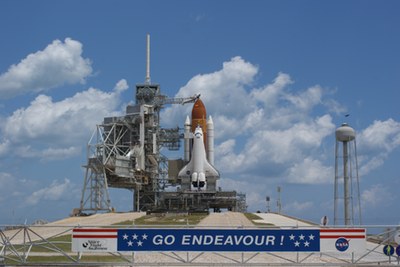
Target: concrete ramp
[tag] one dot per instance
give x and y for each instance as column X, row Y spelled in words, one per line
column 226, row 219
column 64, row 226
column 99, row 219
column 280, row 220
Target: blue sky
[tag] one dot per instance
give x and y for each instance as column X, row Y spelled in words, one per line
column 277, row 77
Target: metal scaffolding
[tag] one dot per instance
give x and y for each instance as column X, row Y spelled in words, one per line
column 29, row 245
column 124, row 152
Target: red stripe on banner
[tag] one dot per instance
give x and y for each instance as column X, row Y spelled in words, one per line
column 94, row 236
column 96, row 230
column 345, row 236
column 342, row 230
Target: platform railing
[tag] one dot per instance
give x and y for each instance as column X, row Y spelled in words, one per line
column 44, row 245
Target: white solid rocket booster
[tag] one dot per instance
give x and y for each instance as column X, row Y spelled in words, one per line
column 187, row 139
column 210, row 140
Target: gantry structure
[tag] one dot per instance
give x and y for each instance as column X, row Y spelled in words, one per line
column 124, row 152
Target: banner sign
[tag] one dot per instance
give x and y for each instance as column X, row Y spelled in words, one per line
column 222, row 240
column 343, row 240
column 217, row 240
column 94, row 240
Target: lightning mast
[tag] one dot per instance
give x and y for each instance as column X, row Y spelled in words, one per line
column 147, row 80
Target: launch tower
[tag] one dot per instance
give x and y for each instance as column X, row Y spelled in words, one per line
column 124, row 152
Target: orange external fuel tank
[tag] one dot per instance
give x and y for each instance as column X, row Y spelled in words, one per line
column 199, row 117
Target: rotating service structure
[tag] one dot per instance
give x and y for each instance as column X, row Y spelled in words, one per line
column 124, row 152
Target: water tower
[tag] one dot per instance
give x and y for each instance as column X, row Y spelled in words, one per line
column 346, row 173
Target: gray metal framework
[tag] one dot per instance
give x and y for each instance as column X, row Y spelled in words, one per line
column 241, row 204
column 28, row 245
column 199, row 201
column 124, row 152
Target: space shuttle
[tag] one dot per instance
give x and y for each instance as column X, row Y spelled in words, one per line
column 199, row 149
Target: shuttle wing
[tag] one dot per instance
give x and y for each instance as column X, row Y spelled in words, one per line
column 210, row 170
column 187, row 169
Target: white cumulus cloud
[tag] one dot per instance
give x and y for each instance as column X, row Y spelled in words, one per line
column 56, row 191
column 66, row 118
column 121, row 86
column 4, row 147
column 226, row 85
column 59, row 63
column 59, row 127
column 271, row 93
column 310, row 171
column 48, row 153
column 376, row 142
column 376, row 195
column 380, row 135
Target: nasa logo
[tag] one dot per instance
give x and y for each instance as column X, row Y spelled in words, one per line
column 342, row 244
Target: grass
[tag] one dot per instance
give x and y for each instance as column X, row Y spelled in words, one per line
column 253, row 217
column 61, row 242
column 62, row 259
column 170, row 219
column 164, row 220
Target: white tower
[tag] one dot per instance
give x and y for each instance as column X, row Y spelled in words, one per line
column 147, row 80
column 346, row 162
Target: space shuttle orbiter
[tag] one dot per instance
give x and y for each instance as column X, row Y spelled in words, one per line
column 198, row 167
column 199, row 149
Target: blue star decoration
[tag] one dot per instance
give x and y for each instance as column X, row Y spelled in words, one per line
column 301, row 240
column 134, row 240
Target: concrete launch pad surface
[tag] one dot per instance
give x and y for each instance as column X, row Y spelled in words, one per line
column 226, row 219
column 99, row 219
column 281, row 220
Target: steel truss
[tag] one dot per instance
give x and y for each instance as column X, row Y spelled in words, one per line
column 95, row 195
column 124, row 152
column 26, row 245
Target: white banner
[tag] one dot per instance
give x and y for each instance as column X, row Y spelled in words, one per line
column 94, row 240
column 342, row 240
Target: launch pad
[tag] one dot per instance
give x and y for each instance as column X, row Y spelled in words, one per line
column 197, row 201
column 124, row 152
